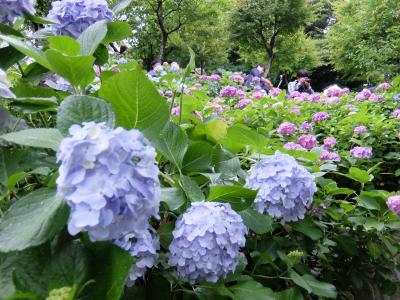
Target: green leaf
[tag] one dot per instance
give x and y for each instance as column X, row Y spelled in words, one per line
column 9, row 56
column 165, row 234
column 197, row 157
column 117, row 31
column 240, row 137
column 192, row 190
column 307, row 227
column 121, row 6
column 52, row 101
column 77, row 70
column 255, row 221
column 359, row 175
column 374, row 249
column 289, row 294
column 225, row 162
column 191, row 65
column 68, row 267
column 215, row 130
column 320, row 288
column 136, row 102
column 101, row 55
column 37, row 137
column 238, row 197
column 173, row 197
column 111, row 269
column 172, row 143
column 300, row 281
column 10, row 123
column 27, row 49
column 32, row 220
column 253, row 290
column 91, row 37
column 64, row 44
column 369, row 200
column 78, row 109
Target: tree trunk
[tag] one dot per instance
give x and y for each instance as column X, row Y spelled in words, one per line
column 270, row 58
column 163, row 47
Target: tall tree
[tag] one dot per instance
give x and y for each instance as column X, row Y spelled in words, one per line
column 365, row 41
column 259, row 23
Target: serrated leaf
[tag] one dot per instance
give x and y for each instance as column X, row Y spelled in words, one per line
column 192, row 190
column 255, row 221
column 173, row 197
column 91, row 37
column 32, row 220
column 253, row 290
column 78, row 109
column 238, row 197
column 37, row 137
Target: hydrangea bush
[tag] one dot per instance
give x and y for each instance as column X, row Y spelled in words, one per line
column 181, row 183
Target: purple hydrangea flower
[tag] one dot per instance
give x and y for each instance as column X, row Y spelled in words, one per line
column 393, row 204
column 175, row 111
column 384, row 86
column 285, row 188
column 286, row 128
column 12, row 9
column 215, row 77
column 228, row 91
column 361, row 152
column 240, row 93
column 275, row 92
column 244, row 102
column 308, row 141
column 360, row 129
column 326, row 155
column 306, row 127
column 314, row 97
column 174, row 67
column 320, row 116
column 207, row 241
column 109, row 179
column 292, row 146
column 363, row 95
column 74, row 16
column 144, row 248
column 295, row 110
column 396, row 113
column 329, row 142
column 375, row 97
column 258, row 95
column 331, row 100
column 197, row 86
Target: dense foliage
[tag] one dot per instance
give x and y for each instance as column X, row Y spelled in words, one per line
column 117, row 183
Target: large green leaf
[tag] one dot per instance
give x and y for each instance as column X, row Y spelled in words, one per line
column 78, row 109
column 117, row 31
column 192, row 190
column 27, row 49
column 173, row 197
column 253, row 290
column 10, row 123
column 225, row 162
column 359, row 175
column 64, row 44
column 172, row 143
column 192, row 63
column 307, row 227
column 37, row 137
column 91, row 38
column 111, row 269
column 314, row 286
column 32, row 220
column 121, row 6
column 259, row 223
column 9, row 56
column 238, row 197
column 136, row 102
column 197, row 157
column 77, row 70
column 240, row 137
column 289, row 294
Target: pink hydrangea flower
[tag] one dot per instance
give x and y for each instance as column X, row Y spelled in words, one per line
column 228, row 91
column 329, row 142
column 331, row 100
column 286, row 128
column 258, row 95
column 197, row 86
column 360, row 129
column 393, row 203
column 375, row 97
column 308, row 141
column 320, row 116
column 314, row 97
column 240, row 93
column 203, row 77
column 295, row 110
column 198, row 115
column 396, row 113
column 244, row 102
column 293, row 94
column 293, row 146
column 275, row 92
column 169, row 93
column 326, row 155
column 215, row 77
column 384, row 86
column 175, row 111
column 363, row 95
column 306, row 127
column 361, row 152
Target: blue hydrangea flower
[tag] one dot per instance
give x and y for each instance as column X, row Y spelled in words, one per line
column 74, row 16
column 207, row 240
column 12, row 9
column 144, row 248
column 109, row 179
column 285, row 188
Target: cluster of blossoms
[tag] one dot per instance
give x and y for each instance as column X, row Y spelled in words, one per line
column 327, row 155
column 258, row 94
column 197, row 86
column 285, row 188
column 287, row 128
column 360, row 129
column 331, row 100
column 375, row 98
column 243, row 103
column 361, row 152
column 295, row 110
column 292, row 146
column 329, row 142
column 228, row 91
column 206, row 242
column 12, row 9
column 306, row 127
column 367, row 95
column 72, row 17
column 236, row 77
column 393, row 204
column 109, row 179
column 396, row 113
column 383, row 86
column 275, row 92
column 308, row 141
column 320, row 116
column 336, row 91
